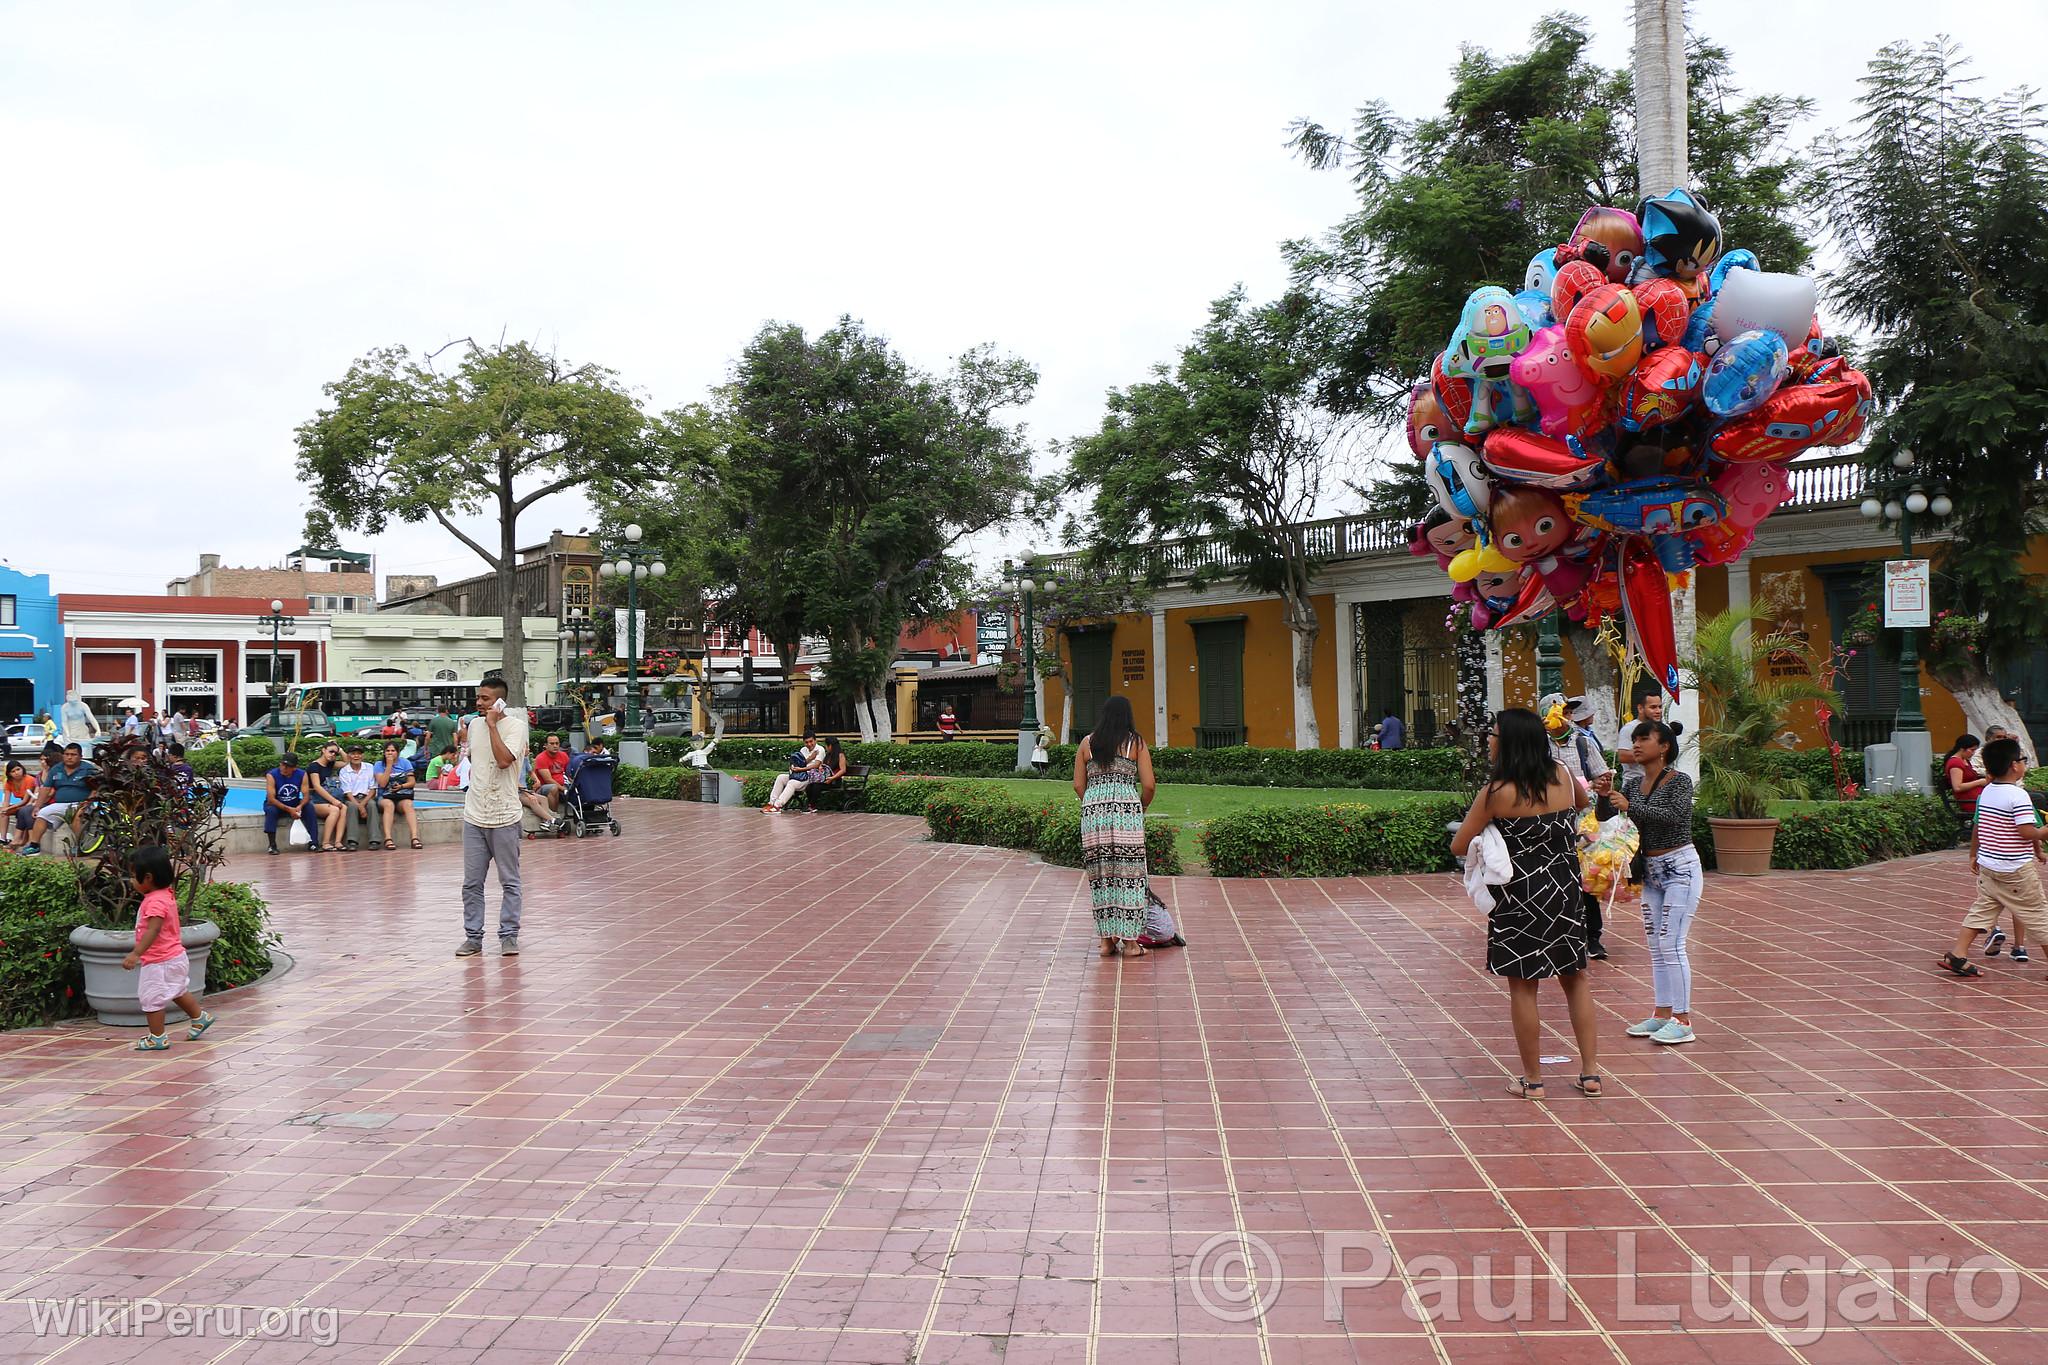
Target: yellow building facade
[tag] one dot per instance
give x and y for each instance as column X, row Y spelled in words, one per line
column 1213, row 666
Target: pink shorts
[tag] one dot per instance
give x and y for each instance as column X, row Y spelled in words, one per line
column 163, row 982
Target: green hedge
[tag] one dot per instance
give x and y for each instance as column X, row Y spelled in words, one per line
column 254, row 756
column 1850, row 833
column 1395, row 770
column 40, row 976
column 966, row 814
column 1332, row 841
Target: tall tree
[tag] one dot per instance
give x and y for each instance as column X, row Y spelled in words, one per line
column 1937, row 200
column 1522, row 147
column 1085, row 596
column 851, row 480
column 1230, row 441
column 505, row 427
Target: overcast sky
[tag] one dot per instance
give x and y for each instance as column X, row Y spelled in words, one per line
column 215, row 207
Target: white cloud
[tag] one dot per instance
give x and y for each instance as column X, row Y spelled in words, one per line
column 215, row 207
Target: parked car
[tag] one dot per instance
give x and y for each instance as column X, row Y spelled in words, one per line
column 22, row 741
column 666, row 724
column 304, row 722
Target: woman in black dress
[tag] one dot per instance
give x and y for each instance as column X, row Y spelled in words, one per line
column 1536, row 928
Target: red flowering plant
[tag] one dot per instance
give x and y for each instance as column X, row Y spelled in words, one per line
column 1861, row 629
column 1827, row 669
column 1954, row 641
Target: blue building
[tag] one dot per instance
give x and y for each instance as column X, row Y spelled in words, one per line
column 31, row 646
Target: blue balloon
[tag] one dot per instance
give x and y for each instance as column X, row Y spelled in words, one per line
column 1699, row 328
column 1742, row 258
column 1744, row 372
column 1535, row 306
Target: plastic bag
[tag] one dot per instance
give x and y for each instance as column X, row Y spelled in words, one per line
column 1605, row 849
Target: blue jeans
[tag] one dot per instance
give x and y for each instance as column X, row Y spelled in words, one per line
column 1671, row 894
column 272, row 814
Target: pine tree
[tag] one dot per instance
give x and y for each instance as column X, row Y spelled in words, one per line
column 1937, row 200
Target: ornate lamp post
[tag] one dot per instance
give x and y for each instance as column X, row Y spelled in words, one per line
column 632, row 565
column 1020, row 579
column 1900, row 500
column 579, row 628
column 278, row 624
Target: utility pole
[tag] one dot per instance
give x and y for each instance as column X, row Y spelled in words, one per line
column 1662, row 163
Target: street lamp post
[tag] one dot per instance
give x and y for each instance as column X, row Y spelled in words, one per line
column 1020, row 579
column 1900, row 500
column 632, row 565
column 579, row 627
column 278, row 624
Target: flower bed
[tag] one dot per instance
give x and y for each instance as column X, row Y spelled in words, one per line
column 40, row 976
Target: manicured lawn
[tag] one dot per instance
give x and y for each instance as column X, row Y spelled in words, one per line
column 1192, row 806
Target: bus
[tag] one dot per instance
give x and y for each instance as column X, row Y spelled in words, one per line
column 362, row 704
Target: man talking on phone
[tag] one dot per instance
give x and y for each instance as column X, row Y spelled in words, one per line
column 490, row 817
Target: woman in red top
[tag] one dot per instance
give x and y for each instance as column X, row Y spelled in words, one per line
column 1964, row 781
column 17, row 803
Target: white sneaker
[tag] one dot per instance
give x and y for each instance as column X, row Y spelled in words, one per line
column 1673, row 1032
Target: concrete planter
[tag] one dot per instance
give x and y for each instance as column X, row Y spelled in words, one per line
column 1742, row 848
column 111, row 989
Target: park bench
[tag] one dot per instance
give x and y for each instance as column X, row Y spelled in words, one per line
column 842, row 793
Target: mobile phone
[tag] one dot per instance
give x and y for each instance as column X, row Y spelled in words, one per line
column 499, row 706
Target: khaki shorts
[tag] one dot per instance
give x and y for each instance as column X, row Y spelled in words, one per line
column 2018, row 892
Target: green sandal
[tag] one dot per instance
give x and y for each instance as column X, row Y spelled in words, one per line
column 200, row 1025
column 153, row 1042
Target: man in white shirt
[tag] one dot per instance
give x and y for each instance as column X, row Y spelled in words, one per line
column 1648, row 708
column 490, row 817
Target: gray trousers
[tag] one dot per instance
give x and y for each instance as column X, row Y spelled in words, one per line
column 480, row 848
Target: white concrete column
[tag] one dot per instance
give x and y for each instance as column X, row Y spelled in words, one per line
column 1347, row 678
column 1496, row 673
column 1158, row 679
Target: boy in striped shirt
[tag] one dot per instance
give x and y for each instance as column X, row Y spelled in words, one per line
column 2009, row 842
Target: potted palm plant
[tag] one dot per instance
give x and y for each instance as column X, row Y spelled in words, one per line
column 1749, row 700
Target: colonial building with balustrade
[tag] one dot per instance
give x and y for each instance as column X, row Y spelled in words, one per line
column 1211, row 665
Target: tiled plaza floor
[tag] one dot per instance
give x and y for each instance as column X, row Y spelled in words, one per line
column 810, row 1089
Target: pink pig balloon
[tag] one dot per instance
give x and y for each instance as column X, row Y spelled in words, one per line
column 1568, row 398
column 1752, row 492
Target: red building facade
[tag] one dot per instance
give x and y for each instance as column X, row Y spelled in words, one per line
column 206, row 656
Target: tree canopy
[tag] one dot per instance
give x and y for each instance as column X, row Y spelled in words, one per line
column 841, row 482
column 1522, row 147
column 505, row 427
column 1937, row 200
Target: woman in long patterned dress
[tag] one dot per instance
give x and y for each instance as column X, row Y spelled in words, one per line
column 1113, row 778
column 1536, row 929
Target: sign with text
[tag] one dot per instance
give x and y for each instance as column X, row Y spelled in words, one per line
column 991, row 634
column 1908, row 593
column 1134, row 665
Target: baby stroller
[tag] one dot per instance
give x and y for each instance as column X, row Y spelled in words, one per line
column 587, row 805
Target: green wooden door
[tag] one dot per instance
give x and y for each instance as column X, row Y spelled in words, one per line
column 1088, row 661
column 1219, row 672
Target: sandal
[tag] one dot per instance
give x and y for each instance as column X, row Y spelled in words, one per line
column 1526, row 1088
column 1961, row 966
column 1132, row 948
column 153, row 1042
column 1588, row 1084
column 200, row 1026
column 389, row 846
column 417, row 844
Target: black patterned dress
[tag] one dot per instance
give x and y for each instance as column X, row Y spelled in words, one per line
column 1536, row 928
